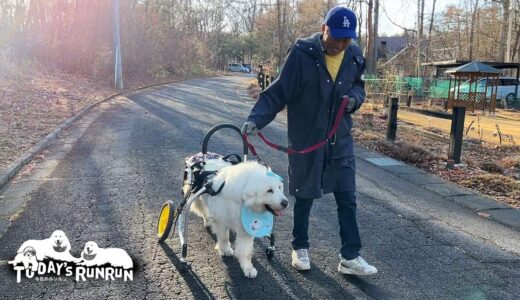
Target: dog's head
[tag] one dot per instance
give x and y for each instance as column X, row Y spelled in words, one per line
column 90, row 250
column 29, row 252
column 60, row 242
column 264, row 191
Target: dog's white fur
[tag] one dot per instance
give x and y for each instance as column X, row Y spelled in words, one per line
column 45, row 249
column 245, row 184
column 116, row 257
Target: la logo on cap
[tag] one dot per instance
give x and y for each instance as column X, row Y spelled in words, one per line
column 346, row 22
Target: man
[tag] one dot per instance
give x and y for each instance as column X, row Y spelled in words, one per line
column 318, row 72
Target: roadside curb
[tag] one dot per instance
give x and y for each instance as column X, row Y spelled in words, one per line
column 17, row 165
column 483, row 206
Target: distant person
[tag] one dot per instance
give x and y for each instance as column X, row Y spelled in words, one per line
column 318, row 72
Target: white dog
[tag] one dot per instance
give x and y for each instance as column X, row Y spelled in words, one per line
column 92, row 255
column 28, row 258
column 247, row 184
column 56, row 247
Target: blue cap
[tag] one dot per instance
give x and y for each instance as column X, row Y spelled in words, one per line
column 342, row 22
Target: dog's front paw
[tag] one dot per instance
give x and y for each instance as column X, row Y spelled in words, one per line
column 206, row 223
column 225, row 251
column 250, row 272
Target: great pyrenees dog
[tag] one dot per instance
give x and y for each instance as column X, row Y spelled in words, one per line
column 93, row 255
column 57, row 247
column 249, row 184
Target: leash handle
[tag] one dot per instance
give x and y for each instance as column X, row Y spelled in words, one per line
column 312, row 148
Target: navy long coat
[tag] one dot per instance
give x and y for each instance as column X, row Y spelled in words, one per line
column 312, row 98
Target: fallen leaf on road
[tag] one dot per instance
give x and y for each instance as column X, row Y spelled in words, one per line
column 484, row 214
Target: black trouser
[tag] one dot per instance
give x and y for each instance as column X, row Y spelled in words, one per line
column 348, row 229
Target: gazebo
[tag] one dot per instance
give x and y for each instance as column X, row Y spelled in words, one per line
column 473, row 85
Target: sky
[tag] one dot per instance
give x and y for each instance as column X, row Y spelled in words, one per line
column 404, row 13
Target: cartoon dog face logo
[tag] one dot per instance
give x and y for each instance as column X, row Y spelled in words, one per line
column 29, row 252
column 60, row 242
column 90, row 250
column 256, row 225
column 93, row 255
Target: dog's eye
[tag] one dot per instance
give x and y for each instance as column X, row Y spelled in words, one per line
column 270, row 191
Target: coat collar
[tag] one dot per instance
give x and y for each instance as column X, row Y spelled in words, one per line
column 313, row 46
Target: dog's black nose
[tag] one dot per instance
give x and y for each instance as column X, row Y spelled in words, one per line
column 285, row 203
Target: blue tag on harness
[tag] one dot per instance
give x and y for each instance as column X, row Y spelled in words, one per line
column 256, row 224
column 272, row 174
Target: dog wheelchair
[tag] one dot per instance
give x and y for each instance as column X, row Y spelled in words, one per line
column 199, row 169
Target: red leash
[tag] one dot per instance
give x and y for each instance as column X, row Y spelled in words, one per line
column 339, row 115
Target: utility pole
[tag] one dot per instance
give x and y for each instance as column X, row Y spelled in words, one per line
column 118, row 65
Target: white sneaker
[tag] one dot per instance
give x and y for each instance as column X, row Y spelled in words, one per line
column 356, row 266
column 300, row 260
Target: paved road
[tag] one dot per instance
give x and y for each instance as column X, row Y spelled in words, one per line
column 106, row 178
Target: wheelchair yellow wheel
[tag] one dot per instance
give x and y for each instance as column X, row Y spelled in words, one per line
column 165, row 222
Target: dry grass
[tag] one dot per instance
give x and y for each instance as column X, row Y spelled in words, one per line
column 495, row 185
column 32, row 105
column 492, row 167
column 435, row 130
column 511, row 162
column 369, row 136
column 409, row 153
column 253, row 89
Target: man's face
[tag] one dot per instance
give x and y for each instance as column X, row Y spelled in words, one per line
column 333, row 46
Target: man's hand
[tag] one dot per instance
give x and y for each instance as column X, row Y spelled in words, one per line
column 351, row 105
column 249, row 128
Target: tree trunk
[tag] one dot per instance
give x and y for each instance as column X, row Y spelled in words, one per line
column 281, row 11
column 503, row 30
column 515, row 48
column 459, row 38
column 472, row 33
column 374, row 40
column 420, row 18
column 430, row 32
column 360, row 25
column 370, row 38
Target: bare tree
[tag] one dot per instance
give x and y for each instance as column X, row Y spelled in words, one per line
column 420, row 26
column 373, row 64
column 430, row 28
column 370, row 37
column 472, row 31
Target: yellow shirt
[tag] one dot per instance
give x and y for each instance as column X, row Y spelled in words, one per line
column 333, row 64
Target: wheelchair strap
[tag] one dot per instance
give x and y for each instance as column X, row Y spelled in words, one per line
column 210, row 190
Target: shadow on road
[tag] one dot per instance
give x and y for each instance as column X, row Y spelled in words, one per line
column 197, row 287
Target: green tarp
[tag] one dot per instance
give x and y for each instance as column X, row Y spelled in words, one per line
column 438, row 88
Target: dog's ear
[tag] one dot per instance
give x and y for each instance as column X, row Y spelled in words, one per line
column 249, row 194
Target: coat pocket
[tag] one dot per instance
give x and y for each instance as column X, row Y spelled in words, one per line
column 343, row 144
